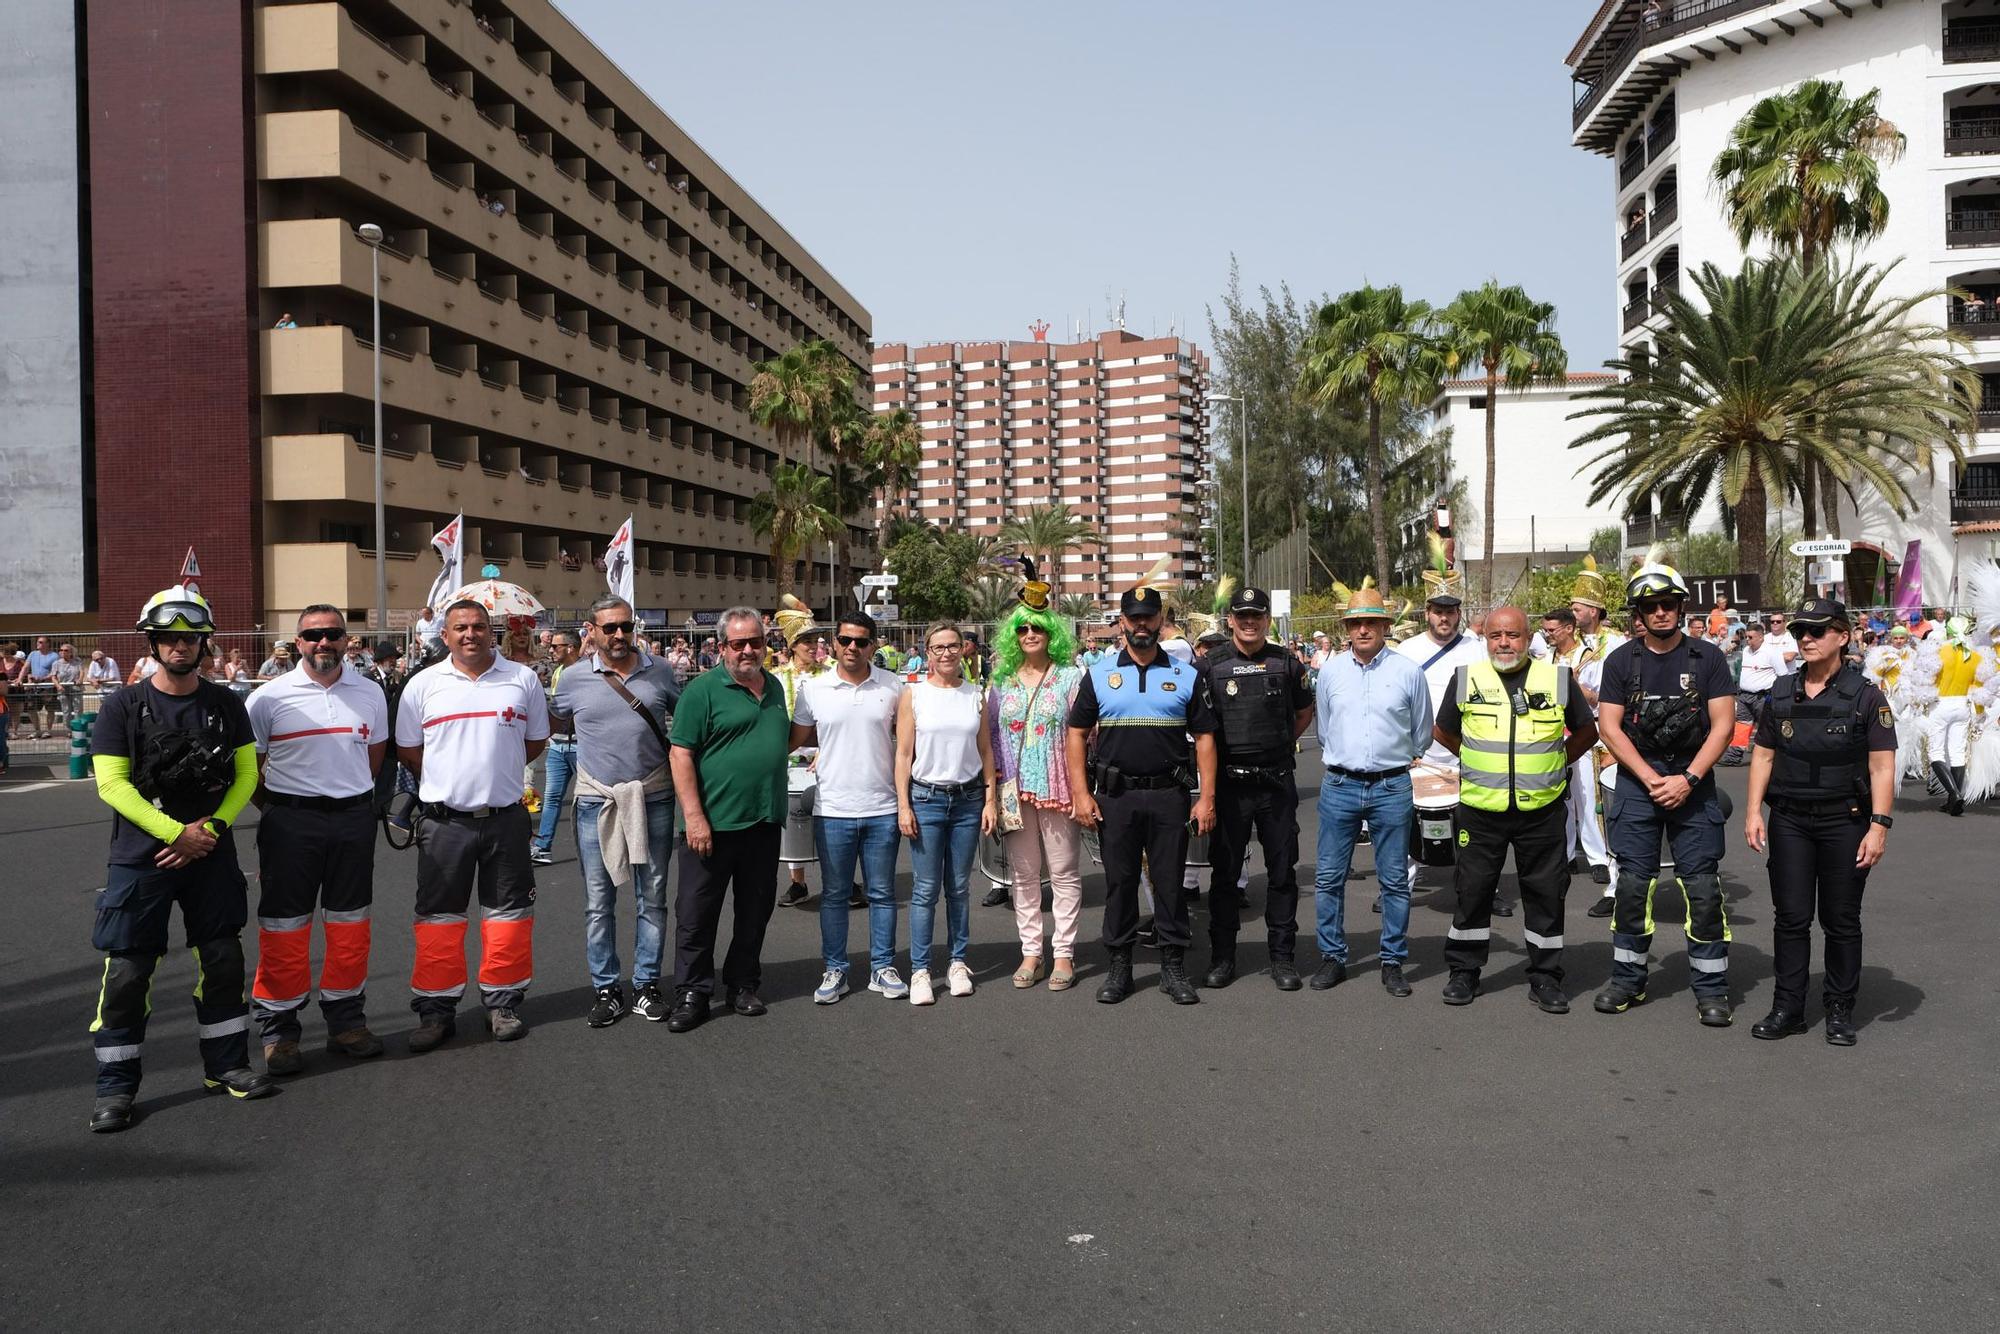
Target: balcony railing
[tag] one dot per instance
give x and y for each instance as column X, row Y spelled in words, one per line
column 1683, row 17
column 1965, row 137
column 1975, row 321
column 1632, row 164
column 1635, row 314
column 1975, row 504
column 1659, row 135
column 1968, row 40
column 1666, row 213
column 1633, row 240
column 1644, row 530
column 1968, row 227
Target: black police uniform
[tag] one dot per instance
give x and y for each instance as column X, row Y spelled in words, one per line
column 1145, row 769
column 1256, row 701
column 1820, row 808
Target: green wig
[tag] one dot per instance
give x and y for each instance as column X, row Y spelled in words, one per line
column 1007, row 655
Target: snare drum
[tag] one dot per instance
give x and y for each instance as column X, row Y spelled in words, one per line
column 795, row 845
column 1435, row 796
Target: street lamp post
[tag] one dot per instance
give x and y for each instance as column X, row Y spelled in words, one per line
column 1242, row 402
column 371, row 236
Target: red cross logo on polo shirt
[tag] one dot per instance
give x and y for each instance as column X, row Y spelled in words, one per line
column 363, row 729
column 508, row 714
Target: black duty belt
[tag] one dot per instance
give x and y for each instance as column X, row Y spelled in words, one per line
column 1365, row 775
column 1263, row 772
column 437, row 811
column 1828, row 806
column 318, row 803
column 1151, row 781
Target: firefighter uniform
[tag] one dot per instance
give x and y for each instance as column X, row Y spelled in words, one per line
column 316, row 850
column 1818, row 748
column 1256, row 701
column 1513, row 785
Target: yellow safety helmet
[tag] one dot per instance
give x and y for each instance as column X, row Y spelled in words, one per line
column 177, row 608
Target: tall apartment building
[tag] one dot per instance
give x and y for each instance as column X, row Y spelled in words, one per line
column 1115, row 428
column 1658, row 94
column 573, row 294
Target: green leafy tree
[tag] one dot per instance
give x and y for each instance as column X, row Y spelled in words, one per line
column 1607, row 546
column 933, row 577
column 1511, row 339
column 1802, row 171
column 792, row 515
column 1372, row 350
column 1775, row 369
column 1044, row 532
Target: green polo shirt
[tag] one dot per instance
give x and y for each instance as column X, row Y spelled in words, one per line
column 740, row 744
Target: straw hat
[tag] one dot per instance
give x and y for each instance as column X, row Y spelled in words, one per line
column 1365, row 604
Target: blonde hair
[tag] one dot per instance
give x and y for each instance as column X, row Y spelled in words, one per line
column 936, row 626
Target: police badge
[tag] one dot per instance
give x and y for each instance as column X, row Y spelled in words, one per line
column 1116, row 680
column 1785, row 729
column 1687, row 679
column 1230, row 689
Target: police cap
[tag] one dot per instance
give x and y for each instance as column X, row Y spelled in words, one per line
column 1250, row 599
column 1820, row 611
column 1140, row 602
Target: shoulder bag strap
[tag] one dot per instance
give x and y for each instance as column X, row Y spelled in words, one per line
column 652, row 723
column 1431, row 661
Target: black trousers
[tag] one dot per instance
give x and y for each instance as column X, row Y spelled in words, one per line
column 1272, row 810
column 307, row 860
column 1813, row 873
column 744, row 864
column 1150, row 823
column 1540, row 840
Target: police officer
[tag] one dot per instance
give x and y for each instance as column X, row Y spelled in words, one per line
column 1144, row 705
column 1824, row 755
column 1666, row 707
column 1506, row 719
column 176, row 762
column 1262, row 703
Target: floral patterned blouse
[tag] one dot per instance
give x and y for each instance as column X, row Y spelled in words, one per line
column 1041, row 769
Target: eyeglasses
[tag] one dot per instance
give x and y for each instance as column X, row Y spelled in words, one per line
column 616, row 627
column 854, row 641
column 1813, row 631
column 321, row 636
column 953, row 647
column 739, row 645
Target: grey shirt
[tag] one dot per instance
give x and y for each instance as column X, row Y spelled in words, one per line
column 613, row 744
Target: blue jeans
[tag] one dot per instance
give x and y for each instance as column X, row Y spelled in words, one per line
column 840, row 843
column 600, row 896
column 942, row 854
column 1385, row 804
column 562, row 762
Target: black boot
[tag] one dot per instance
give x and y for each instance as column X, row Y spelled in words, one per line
column 1285, row 974
column 1839, row 1023
column 1957, row 806
column 1118, row 979
column 1173, row 977
column 1947, row 783
column 1782, row 1022
column 1222, row 966
column 111, row 1113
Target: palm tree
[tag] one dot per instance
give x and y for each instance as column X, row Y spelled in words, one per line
column 892, row 449
column 1371, row 348
column 807, row 395
column 993, row 596
column 1803, row 170
column 796, row 512
column 1045, row 532
column 1777, row 369
column 1076, row 607
column 1512, row 339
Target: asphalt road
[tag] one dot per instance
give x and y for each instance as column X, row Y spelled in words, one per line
column 1031, row 1161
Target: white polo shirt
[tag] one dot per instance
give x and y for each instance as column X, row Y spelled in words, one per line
column 857, row 742
column 1422, row 649
column 474, row 731
column 1781, row 645
column 315, row 738
column 1762, row 666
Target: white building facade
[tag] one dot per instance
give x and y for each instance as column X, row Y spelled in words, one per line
column 1659, row 94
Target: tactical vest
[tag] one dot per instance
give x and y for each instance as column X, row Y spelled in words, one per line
column 1512, row 741
column 1254, row 707
column 1822, row 742
column 179, row 762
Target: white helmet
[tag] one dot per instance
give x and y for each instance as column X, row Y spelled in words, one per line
column 1653, row 581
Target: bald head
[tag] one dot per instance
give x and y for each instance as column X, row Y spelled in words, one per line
column 1507, row 638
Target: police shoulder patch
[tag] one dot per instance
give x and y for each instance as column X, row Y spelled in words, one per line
column 1884, row 717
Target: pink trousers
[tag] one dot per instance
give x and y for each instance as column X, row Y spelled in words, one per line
column 1047, row 843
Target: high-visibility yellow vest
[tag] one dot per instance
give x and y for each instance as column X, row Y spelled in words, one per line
column 1508, row 754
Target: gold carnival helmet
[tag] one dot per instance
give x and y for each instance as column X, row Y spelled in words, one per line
column 1589, row 588
column 1442, row 584
column 794, row 619
column 1035, row 591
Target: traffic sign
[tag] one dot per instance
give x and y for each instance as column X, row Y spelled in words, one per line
column 1281, row 602
column 1822, row 546
column 880, row 580
column 887, row 611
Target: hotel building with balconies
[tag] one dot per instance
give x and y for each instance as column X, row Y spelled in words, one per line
column 573, row 295
column 1658, row 93
column 1116, row 428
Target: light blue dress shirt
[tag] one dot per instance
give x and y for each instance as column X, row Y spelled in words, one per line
column 1374, row 716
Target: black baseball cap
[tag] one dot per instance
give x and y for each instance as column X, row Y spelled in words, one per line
column 1140, row 602
column 1820, row 611
column 1442, row 600
column 1250, row 599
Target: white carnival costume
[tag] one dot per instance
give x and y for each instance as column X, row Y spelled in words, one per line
column 1889, row 667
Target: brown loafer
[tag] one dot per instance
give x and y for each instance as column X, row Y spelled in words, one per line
column 282, row 1058
column 1063, row 977
column 1030, row 972
column 356, row 1042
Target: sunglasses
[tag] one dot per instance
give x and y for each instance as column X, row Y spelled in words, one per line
column 741, row 644
column 854, row 641
column 176, row 638
column 1813, row 631
column 616, row 627
column 321, row 636
column 1020, row 630
column 1648, row 608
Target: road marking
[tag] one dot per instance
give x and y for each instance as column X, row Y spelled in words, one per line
column 31, row 787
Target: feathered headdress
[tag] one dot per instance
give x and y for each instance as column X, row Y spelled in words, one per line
column 1982, row 587
column 794, row 618
column 1440, row 580
column 1034, row 591
column 1200, row 623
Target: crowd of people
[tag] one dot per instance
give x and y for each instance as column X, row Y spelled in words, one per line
column 1574, row 745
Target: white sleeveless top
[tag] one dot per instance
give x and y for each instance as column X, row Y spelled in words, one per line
column 947, row 725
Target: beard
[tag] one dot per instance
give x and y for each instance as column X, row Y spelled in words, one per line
column 324, row 660
column 1508, row 662
column 1142, row 638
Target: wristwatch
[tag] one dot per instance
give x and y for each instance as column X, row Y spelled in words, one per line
column 1692, row 781
column 1883, row 820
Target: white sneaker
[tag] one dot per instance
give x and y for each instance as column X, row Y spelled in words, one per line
column 832, row 986
column 920, row 988
column 959, row 978
column 889, row 982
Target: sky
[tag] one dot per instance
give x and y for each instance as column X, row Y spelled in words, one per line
column 966, row 169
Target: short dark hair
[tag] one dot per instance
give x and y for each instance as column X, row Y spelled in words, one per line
column 1562, row 615
column 605, row 603
column 860, row 618
column 467, row 604
column 323, row 609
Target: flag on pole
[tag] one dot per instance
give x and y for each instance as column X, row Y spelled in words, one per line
column 618, row 563
column 450, row 544
column 191, row 572
column 1910, row 582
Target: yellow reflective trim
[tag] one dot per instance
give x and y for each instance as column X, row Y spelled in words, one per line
column 1650, row 886
column 102, row 984
column 199, row 978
